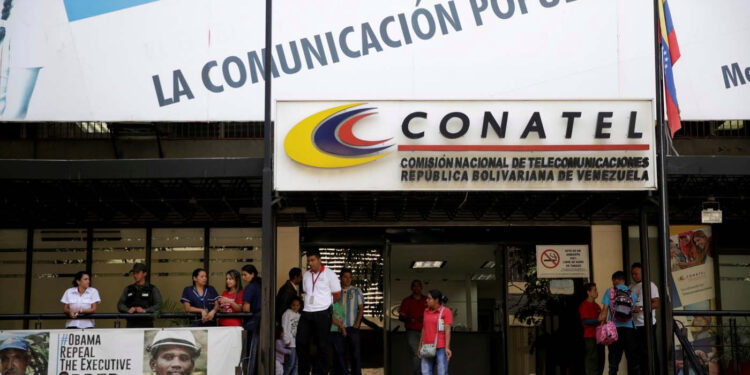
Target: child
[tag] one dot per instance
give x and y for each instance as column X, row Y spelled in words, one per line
column 289, row 322
column 281, row 350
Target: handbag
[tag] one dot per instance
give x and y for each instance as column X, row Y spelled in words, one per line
column 430, row 350
column 606, row 334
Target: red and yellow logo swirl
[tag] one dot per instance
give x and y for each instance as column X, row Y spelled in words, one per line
column 326, row 139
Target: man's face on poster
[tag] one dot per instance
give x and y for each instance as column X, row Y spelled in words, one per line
column 172, row 360
column 13, row 362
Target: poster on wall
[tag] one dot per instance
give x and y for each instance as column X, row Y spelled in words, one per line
column 693, row 288
column 692, row 265
column 121, row 351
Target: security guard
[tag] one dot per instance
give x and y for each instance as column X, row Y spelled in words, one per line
column 139, row 297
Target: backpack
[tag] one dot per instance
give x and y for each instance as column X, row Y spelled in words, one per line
column 622, row 305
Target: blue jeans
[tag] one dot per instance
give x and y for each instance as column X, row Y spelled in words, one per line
column 442, row 363
column 339, row 353
column 353, row 343
column 252, row 345
column 290, row 366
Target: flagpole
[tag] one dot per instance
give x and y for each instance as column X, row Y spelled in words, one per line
column 266, row 355
column 665, row 302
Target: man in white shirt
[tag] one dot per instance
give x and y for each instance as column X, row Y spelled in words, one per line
column 322, row 288
column 636, row 271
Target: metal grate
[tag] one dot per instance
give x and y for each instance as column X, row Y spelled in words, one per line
column 714, row 129
column 367, row 273
column 104, row 130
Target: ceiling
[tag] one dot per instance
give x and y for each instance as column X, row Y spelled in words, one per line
column 461, row 260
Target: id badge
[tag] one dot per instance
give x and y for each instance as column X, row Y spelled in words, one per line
column 312, row 300
column 441, row 325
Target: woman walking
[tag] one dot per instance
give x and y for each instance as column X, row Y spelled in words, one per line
column 435, row 344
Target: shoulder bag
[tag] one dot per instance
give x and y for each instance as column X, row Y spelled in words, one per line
column 430, row 350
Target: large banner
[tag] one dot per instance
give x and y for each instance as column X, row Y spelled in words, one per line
column 464, row 145
column 712, row 76
column 207, row 351
column 200, row 60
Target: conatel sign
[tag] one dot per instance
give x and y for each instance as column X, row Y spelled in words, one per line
column 464, row 145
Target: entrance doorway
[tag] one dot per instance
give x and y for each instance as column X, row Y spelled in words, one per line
column 465, row 273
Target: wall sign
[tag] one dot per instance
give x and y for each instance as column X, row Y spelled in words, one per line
column 464, row 145
column 562, row 261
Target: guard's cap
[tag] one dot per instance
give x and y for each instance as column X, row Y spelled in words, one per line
column 14, row 343
column 139, row 267
column 182, row 338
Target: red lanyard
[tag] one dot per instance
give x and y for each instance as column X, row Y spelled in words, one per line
column 315, row 279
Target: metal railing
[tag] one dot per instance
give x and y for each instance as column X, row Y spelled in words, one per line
column 163, row 130
column 721, row 341
column 714, row 129
column 118, row 317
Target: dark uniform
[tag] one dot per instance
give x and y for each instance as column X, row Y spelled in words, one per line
column 145, row 296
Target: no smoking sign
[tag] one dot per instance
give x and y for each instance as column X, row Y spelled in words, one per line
column 562, row 261
column 550, row 258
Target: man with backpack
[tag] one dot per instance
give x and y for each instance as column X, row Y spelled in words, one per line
column 618, row 305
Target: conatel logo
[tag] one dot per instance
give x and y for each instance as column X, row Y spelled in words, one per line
column 326, row 139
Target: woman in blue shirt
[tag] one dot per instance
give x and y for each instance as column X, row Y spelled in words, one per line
column 201, row 299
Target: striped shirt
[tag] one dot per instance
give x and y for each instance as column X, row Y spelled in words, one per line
column 351, row 298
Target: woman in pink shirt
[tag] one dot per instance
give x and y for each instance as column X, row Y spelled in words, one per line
column 436, row 330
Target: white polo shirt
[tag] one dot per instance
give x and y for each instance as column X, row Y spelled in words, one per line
column 80, row 302
column 318, row 289
column 638, row 290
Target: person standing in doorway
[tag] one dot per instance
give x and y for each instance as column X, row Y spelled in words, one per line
column 338, row 337
column 354, row 307
column 618, row 304
column 139, row 297
column 411, row 313
column 251, row 303
column 436, row 331
column 81, row 299
column 590, row 311
column 636, row 271
column 290, row 321
column 322, row 288
column 288, row 292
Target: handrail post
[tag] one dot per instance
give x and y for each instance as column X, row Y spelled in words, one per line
column 733, row 342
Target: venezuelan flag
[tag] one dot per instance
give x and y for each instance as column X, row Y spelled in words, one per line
column 670, row 52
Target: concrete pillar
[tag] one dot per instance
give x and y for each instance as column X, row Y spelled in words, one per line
column 606, row 255
column 287, row 253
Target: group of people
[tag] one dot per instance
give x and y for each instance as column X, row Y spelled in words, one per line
column 624, row 306
column 322, row 310
column 198, row 298
column 317, row 312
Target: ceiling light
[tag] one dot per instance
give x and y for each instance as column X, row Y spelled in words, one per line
column 483, row 277
column 421, row 264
